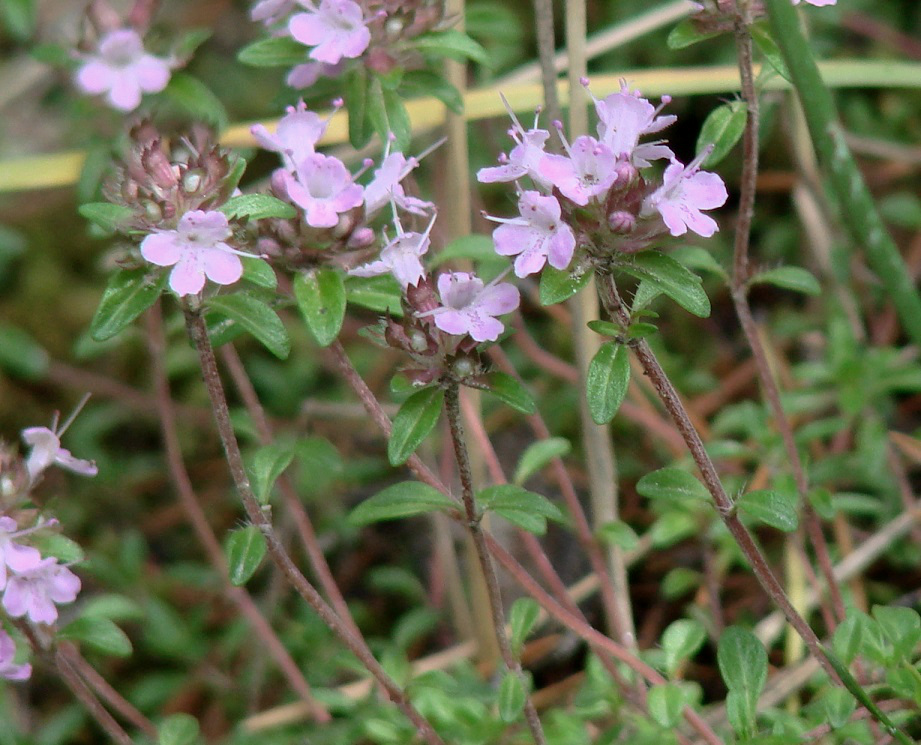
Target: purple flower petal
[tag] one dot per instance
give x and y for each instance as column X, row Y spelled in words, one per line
column 162, row 248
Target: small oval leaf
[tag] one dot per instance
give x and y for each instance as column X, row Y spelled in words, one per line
column 415, row 419
column 400, row 500
column 245, row 550
column 128, row 294
column 257, row 318
column 320, row 295
column 722, row 129
column 673, row 484
column 538, row 455
column 98, row 632
column 511, row 697
column 790, row 278
column 607, row 381
column 511, row 391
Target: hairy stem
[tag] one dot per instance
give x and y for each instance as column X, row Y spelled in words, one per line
column 198, row 333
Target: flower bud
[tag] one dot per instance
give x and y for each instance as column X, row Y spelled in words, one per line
column 621, row 221
column 462, row 368
column 191, row 182
column 361, row 238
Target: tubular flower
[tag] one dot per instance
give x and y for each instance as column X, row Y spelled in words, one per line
column 295, row 137
column 46, row 451
column 469, row 307
column 537, row 237
column 34, row 592
column 322, row 186
column 335, row 29
column 684, row 193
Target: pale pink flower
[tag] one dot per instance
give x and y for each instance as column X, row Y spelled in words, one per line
column 623, row 118
column 323, row 187
column 386, row 186
column 335, row 29
column 196, row 249
column 401, row 257
column 270, row 12
column 306, row 74
column 523, row 159
column 817, row 3
column 537, row 236
column 295, row 137
column 685, row 191
column 46, row 451
column 34, row 592
column 9, row 669
column 469, row 307
column 17, row 557
column 122, row 70
column 586, row 172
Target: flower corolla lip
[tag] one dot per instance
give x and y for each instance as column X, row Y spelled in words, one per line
column 684, row 193
column 46, row 450
column 386, row 186
column 270, row 12
column 401, row 257
column 14, row 555
column 306, row 74
column 523, row 159
column 122, row 70
column 623, row 118
column 538, row 236
column 323, row 187
column 587, row 171
column 296, row 135
column 34, row 592
column 196, row 250
column 9, row 669
column 335, row 29
column 470, row 307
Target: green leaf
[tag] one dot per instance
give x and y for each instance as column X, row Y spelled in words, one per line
column 680, row 642
column 902, row 626
column 771, row 507
column 258, row 272
column 522, row 618
column 388, row 115
column 838, row 705
column 245, row 549
column 699, row 259
column 19, row 18
column 511, row 391
column 742, row 662
column 357, row 102
column 618, row 533
column 257, row 207
column 417, row 83
column 268, row 463
column 20, row 355
column 686, row 34
column 178, row 729
column 790, row 278
column 190, row 40
column 557, row 285
column 257, row 318
column 607, row 381
column 722, row 129
column 320, row 459
column 847, row 640
column 110, row 217
column 526, row 509
column 98, row 632
column 453, row 45
column 672, row 278
column 193, row 97
column 59, row 546
column 765, row 42
column 741, row 713
column 320, row 295
column 511, row 697
column 539, row 454
column 666, row 704
column 128, row 294
column 673, row 484
column 406, row 499
column 276, row 51
column 606, row 328
column 381, row 294
column 672, row 527
column 416, row 418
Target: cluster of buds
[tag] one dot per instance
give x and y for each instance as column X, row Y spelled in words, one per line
column 603, row 194
column 374, row 31
column 718, row 16
column 32, row 585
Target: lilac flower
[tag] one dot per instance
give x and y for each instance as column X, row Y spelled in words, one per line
column 306, row 74
column 400, row 257
column 817, row 3
column 17, row 557
column 34, row 592
column 386, row 186
column 587, row 172
column 685, row 191
column 197, row 248
column 335, row 29
column 469, row 307
column 538, row 236
column 524, row 159
column 623, row 118
column 270, row 12
column 122, row 70
column 295, row 137
column 46, row 451
column 322, row 186
column 9, row 669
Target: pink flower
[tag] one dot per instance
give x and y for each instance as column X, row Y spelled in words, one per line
column 34, row 592
column 17, row 557
column 323, row 188
column 386, row 186
column 470, row 308
column 817, row 3
column 523, row 159
column 623, row 118
column 123, row 70
column 197, row 249
column 46, row 451
column 270, row 12
column 305, row 75
column 401, row 258
column 536, row 237
column 587, row 172
column 295, row 137
column 336, row 29
column 685, row 191
column 9, row 669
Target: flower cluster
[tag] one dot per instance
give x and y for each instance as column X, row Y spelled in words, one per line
column 603, row 193
column 32, row 585
column 336, row 31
